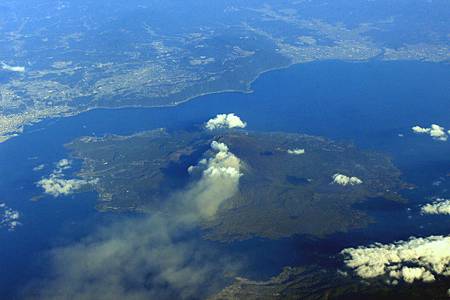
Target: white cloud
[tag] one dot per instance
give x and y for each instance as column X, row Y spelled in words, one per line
column 438, row 207
column 416, row 259
column 18, row 69
column 9, row 217
column 39, row 167
column 64, row 164
column 438, row 132
column 418, row 129
column 346, row 180
column 296, row 151
column 435, row 131
column 152, row 256
column 225, row 121
column 56, row 185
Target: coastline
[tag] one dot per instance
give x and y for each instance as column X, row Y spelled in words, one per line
column 248, row 90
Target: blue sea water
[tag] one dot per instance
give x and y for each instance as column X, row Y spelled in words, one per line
column 369, row 104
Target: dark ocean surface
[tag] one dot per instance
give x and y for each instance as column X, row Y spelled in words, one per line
column 373, row 105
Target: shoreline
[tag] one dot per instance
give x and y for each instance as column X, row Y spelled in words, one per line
column 248, row 90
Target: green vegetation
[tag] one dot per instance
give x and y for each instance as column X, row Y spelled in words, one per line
column 280, row 194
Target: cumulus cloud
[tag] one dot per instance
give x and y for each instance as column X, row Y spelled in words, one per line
column 346, row 180
column 225, row 121
column 419, row 259
column 153, row 256
column 9, row 218
column 39, row 167
column 56, row 185
column 296, row 151
column 18, row 69
column 438, row 207
column 435, row 131
column 64, row 164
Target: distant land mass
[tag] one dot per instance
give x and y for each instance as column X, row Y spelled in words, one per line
column 93, row 54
